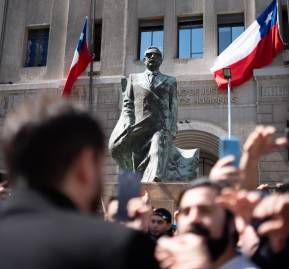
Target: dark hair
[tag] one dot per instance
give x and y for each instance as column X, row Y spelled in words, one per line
column 282, row 188
column 153, row 48
column 43, row 139
column 164, row 214
column 200, row 182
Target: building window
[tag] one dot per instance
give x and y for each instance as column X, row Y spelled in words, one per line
column 151, row 33
column 37, row 47
column 97, row 40
column 229, row 28
column 190, row 36
column 285, row 26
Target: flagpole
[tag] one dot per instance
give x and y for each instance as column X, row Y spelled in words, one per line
column 91, row 45
column 229, row 107
column 227, row 75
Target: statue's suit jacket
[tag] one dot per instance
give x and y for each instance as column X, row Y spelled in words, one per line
column 146, row 110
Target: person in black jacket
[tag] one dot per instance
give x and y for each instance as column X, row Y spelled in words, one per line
column 54, row 153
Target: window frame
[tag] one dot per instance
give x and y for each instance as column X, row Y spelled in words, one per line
column 149, row 25
column 285, row 30
column 229, row 20
column 25, row 49
column 191, row 22
column 97, row 46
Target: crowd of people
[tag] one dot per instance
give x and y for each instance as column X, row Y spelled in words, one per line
column 54, row 153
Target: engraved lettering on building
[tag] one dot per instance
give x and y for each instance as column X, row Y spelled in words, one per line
column 275, row 91
column 203, row 96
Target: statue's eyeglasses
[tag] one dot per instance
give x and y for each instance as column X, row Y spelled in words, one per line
column 150, row 54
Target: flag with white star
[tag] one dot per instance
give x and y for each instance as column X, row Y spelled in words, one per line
column 82, row 57
column 254, row 48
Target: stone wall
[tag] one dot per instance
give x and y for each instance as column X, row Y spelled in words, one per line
column 273, row 109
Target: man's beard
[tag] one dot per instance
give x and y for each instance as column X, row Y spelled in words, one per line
column 216, row 247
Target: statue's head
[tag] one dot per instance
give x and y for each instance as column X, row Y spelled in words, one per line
column 153, row 58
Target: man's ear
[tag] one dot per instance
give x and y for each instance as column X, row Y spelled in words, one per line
column 176, row 214
column 84, row 166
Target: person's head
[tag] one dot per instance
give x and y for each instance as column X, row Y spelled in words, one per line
column 282, row 187
column 200, row 214
column 160, row 222
column 153, row 58
column 111, row 209
column 52, row 144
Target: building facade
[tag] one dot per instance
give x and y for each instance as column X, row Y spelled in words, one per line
column 38, row 39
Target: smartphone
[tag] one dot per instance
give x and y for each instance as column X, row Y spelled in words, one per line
column 230, row 146
column 128, row 188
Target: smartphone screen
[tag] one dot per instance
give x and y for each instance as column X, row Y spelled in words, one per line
column 128, row 187
column 230, row 146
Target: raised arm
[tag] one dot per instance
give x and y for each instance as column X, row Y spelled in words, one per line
column 258, row 144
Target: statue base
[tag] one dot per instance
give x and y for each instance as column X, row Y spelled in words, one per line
column 161, row 194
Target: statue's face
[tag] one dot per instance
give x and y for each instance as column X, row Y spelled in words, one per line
column 153, row 60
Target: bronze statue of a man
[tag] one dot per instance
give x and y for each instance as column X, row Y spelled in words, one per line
column 142, row 138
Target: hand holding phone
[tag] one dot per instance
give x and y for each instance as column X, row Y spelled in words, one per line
column 128, row 188
column 230, row 146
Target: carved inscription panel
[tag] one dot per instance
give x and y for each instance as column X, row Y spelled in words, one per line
column 275, row 91
column 189, row 96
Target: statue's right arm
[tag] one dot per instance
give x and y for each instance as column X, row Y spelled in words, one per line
column 128, row 104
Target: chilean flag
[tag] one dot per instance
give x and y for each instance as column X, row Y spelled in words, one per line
column 81, row 59
column 254, row 48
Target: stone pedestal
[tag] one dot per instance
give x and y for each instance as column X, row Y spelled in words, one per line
column 161, row 194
